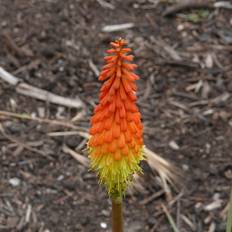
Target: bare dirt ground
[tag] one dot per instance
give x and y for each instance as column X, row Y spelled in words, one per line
column 185, row 96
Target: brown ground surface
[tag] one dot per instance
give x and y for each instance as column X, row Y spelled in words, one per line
column 185, row 97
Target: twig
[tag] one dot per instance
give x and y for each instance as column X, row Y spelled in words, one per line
column 105, row 4
column 32, row 65
column 180, row 63
column 188, row 222
column 80, row 158
column 31, row 91
column 223, row 4
column 78, row 116
column 44, row 95
column 28, row 214
column 94, row 68
column 12, row 80
column 186, row 5
column 152, row 197
column 167, row 48
column 23, row 144
column 20, row 51
column 41, row 120
column 68, row 133
column 118, row 27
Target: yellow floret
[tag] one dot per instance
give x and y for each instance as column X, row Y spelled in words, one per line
column 116, row 174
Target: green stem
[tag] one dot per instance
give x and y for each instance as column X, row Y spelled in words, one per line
column 117, row 216
column 229, row 219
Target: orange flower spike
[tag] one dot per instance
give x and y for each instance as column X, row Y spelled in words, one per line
column 116, row 143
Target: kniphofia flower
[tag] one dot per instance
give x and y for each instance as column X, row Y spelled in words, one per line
column 116, row 143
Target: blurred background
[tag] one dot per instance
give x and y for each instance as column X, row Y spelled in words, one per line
column 184, row 54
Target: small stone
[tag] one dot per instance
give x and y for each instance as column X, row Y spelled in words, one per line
column 103, row 225
column 14, row 181
column 214, row 205
column 60, row 112
column 208, row 148
column 198, row 207
column 180, row 27
column 60, row 177
column 174, row 145
column 184, row 34
column 4, row 23
column 185, row 167
column 105, row 213
column 13, row 104
column 41, row 112
column 209, row 61
column 228, row 172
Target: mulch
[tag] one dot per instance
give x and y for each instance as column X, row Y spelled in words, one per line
column 185, row 97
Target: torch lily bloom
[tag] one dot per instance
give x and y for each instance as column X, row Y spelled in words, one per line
column 116, row 144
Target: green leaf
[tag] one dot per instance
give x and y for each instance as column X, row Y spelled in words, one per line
column 170, row 219
column 197, row 16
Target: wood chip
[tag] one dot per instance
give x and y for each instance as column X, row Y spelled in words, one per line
column 174, row 145
column 118, row 27
column 106, row 5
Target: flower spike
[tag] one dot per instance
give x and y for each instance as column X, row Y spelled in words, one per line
column 116, row 143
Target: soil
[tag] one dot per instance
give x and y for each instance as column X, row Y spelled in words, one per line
column 185, row 97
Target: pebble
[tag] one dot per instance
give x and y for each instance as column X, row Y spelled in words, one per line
column 14, row 182
column 180, row 27
column 61, row 177
column 13, row 104
column 41, row 112
column 103, row 225
column 174, row 145
column 4, row 23
column 60, row 112
column 209, row 61
column 185, row 167
column 105, row 213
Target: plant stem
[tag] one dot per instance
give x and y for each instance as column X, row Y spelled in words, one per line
column 229, row 219
column 117, row 216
